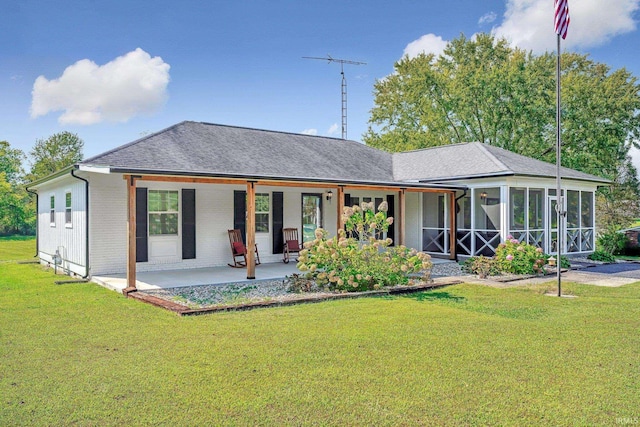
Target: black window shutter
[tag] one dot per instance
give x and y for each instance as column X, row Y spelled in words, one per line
column 278, row 221
column 347, row 200
column 240, row 213
column 391, row 212
column 142, row 248
column 188, row 223
column 378, row 202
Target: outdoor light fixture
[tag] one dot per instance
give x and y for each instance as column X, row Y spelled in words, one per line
column 483, row 195
column 329, row 195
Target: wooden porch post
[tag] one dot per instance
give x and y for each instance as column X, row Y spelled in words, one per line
column 453, row 244
column 401, row 217
column 340, row 207
column 131, row 234
column 251, row 230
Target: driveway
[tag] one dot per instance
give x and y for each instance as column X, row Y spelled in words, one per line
column 622, row 269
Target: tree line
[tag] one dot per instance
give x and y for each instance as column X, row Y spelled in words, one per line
column 482, row 89
column 479, row 89
column 17, row 205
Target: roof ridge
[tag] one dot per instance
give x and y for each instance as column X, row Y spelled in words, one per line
column 280, row 132
column 491, row 156
column 435, row 147
column 129, row 144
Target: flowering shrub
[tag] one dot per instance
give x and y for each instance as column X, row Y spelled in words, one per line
column 363, row 223
column 351, row 264
column 517, row 257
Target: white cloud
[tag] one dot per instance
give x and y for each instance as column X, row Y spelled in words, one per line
column 333, row 130
column 487, row 18
column 310, row 131
column 88, row 93
column 429, row 43
column 528, row 24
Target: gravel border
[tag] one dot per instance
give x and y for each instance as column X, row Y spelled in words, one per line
column 200, row 296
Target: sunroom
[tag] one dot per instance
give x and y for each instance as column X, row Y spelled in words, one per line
column 507, row 195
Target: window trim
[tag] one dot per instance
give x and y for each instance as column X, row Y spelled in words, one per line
column 68, row 210
column 167, row 212
column 52, row 210
column 267, row 212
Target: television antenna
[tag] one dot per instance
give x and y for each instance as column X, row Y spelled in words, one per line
column 329, row 59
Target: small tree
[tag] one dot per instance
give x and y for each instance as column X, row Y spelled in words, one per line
column 54, row 153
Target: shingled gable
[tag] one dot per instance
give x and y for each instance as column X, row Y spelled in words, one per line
column 206, row 149
column 474, row 160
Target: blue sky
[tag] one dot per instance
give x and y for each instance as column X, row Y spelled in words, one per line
column 114, row 71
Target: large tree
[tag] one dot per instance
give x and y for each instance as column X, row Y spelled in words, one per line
column 16, row 211
column 11, row 162
column 54, row 153
column 483, row 90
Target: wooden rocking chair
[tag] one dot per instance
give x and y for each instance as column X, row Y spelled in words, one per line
column 291, row 243
column 239, row 250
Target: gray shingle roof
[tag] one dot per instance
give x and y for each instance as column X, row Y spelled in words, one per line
column 474, row 160
column 210, row 149
column 194, row 148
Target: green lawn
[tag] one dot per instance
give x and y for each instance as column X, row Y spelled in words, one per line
column 462, row 355
column 17, row 248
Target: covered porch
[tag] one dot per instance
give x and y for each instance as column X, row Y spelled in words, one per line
column 247, row 214
column 204, row 276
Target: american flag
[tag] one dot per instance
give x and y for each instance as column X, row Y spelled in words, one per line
column 562, row 17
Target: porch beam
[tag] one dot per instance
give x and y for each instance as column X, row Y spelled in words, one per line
column 340, row 207
column 131, row 234
column 279, row 183
column 251, row 230
column 192, row 180
column 401, row 217
column 453, row 227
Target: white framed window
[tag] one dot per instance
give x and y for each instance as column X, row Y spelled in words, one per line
column 262, row 212
column 67, row 208
column 52, row 210
column 163, row 212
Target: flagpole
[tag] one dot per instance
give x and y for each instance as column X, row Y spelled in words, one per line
column 559, row 198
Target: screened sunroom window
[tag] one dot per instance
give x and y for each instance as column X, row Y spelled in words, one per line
column 517, row 208
column 586, row 210
column 163, row 212
column 573, row 209
column 536, row 208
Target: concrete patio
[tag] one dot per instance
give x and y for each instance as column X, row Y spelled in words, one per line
column 202, row 276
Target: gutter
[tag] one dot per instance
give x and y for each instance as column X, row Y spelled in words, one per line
column 86, row 221
column 37, row 223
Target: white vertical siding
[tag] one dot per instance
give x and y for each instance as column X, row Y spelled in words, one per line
column 68, row 239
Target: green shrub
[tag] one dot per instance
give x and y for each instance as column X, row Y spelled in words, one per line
column 517, row 257
column 602, row 256
column 611, row 242
column 351, row 264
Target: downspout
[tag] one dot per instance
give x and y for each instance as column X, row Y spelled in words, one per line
column 86, row 221
column 455, row 218
column 37, row 234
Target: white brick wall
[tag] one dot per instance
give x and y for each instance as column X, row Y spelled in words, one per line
column 214, row 216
